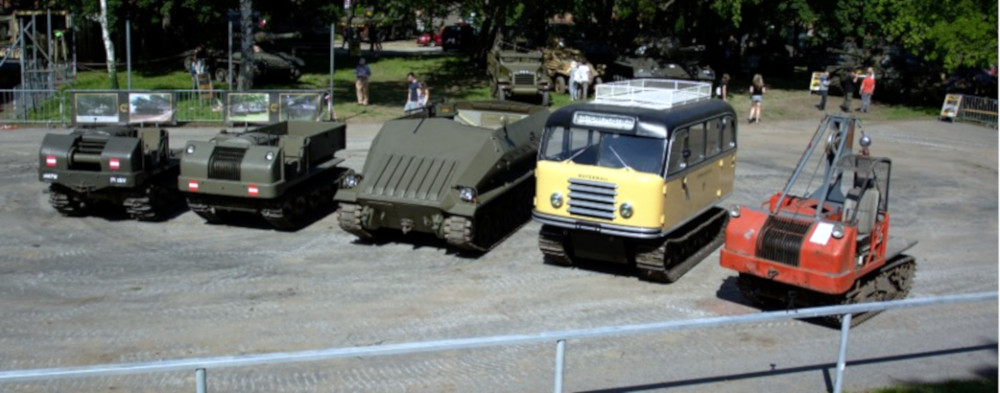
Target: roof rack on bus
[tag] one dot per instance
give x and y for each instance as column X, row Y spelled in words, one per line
column 652, row 93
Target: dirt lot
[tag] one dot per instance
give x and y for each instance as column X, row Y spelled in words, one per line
column 98, row 290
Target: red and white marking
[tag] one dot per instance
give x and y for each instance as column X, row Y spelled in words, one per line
column 253, row 190
column 50, row 161
column 192, row 185
column 114, row 163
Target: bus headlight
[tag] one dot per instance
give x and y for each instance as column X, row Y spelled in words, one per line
column 467, row 194
column 838, row 231
column 625, row 210
column 556, row 200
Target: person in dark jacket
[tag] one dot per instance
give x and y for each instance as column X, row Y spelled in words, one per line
column 848, row 84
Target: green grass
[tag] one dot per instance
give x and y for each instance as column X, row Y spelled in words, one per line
column 456, row 78
column 969, row 386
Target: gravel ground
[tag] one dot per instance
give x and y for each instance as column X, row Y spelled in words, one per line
column 84, row 291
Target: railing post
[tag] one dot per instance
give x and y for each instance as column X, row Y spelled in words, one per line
column 845, row 328
column 560, row 356
column 200, row 383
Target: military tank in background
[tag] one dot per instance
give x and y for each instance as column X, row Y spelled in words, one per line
column 662, row 58
column 121, row 166
column 270, row 64
column 285, row 172
column 463, row 172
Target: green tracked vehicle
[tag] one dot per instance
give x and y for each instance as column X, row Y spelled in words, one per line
column 464, row 173
column 117, row 165
column 285, row 172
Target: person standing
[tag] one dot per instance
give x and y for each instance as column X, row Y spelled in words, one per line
column 424, row 95
column 757, row 90
column 824, row 89
column 583, row 80
column 412, row 93
column 362, row 73
column 867, row 89
column 573, row 69
column 848, row 85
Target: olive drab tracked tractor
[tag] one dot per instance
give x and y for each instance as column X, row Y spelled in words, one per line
column 463, row 174
column 123, row 166
column 285, row 172
column 634, row 177
column 824, row 239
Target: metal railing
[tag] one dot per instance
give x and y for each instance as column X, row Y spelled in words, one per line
column 974, row 109
column 55, row 106
column 200, row 365
column 652, row 93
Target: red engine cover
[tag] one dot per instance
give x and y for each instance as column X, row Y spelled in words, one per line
column 811, row 259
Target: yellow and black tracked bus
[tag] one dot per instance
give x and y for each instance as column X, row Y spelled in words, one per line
column 635, row 176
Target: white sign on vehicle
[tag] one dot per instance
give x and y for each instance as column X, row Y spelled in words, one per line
column 821, row 235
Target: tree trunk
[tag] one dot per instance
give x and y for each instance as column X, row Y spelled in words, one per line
column 245, row 81
column 109, row 47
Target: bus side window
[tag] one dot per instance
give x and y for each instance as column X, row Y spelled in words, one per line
column 678, row 146
column 728, row 133
column 713, row 137
column 696, row 143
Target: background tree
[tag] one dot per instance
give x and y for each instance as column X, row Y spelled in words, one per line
column 109, row 47
column 245, row 80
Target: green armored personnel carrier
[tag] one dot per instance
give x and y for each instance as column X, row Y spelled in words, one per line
column 465, row 174
column 118, row 165
column 517, row 73
column 285, row 172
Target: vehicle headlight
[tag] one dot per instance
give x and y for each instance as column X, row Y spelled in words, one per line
column 838, row 231
column 467, row 194
column 556, row 200
column 734, row 211
column 351, row 181
column 625, row 210
column 190, row 149
column 269, row 156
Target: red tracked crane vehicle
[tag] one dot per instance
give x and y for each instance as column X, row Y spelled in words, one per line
column 824, row 239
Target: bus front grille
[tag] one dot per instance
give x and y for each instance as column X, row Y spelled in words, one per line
column 592, row 198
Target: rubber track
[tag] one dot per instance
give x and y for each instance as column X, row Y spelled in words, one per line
column 154, row 203
column 898, row 273
column 552, row 243
column 349, row 218
column 676, row 255
column 315, row 196
column 66, row 203
column 494, row 222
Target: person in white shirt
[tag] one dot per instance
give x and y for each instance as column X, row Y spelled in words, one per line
column 583, row 80
column 573, row 68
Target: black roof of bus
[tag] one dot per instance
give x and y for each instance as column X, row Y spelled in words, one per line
column 670, row 118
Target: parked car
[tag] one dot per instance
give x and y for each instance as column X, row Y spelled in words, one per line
column 428, row 39
column 457, row 37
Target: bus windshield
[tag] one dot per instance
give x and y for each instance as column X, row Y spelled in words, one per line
column 605, row 149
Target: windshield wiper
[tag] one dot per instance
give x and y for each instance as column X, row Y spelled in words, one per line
column 577, row 153
column 620, row 158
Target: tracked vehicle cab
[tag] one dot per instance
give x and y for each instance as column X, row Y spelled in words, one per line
column 642, row 164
